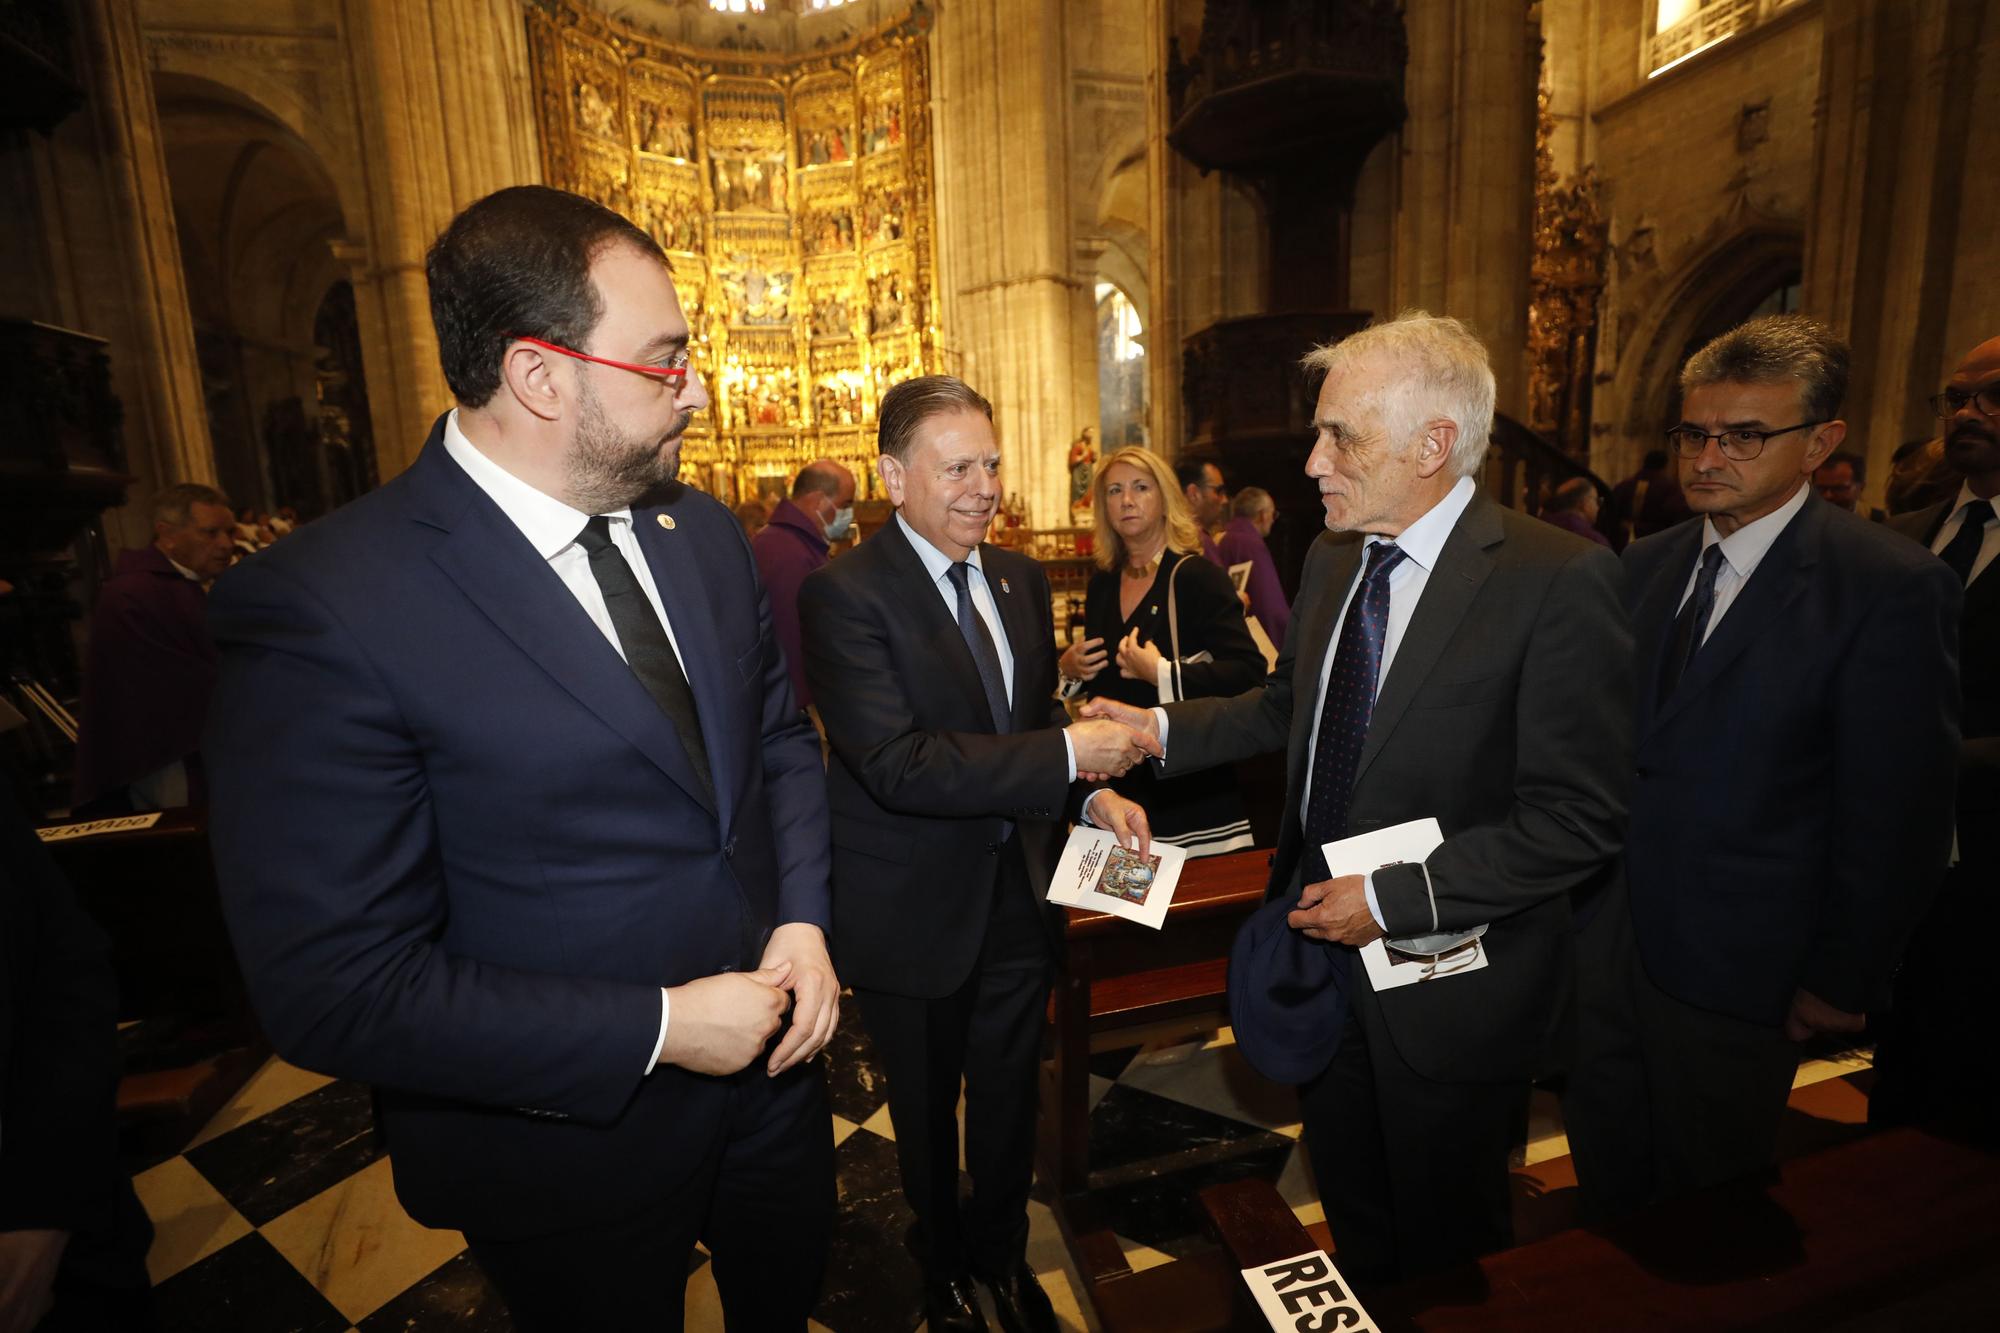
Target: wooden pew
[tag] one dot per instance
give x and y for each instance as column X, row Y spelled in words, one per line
column 1121, row 979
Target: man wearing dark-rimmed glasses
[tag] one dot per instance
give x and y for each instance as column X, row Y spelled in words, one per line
column 1941, row 1014
column 1796, row 727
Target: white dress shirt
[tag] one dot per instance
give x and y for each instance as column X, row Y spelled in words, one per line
column 938, row 565
column 1421, row 543
column 1988, row 549
column 1742, row 551
column 551, row 527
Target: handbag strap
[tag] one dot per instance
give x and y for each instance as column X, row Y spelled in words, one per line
column 1174, row 624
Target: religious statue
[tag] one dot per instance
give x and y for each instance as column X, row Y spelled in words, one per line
column 593, row 112
column 1082, row 466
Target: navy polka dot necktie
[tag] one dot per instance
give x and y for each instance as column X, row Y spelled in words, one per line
column 1347, row 707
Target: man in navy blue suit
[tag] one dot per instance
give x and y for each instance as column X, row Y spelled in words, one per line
column 1797, row 734
column 516, row 817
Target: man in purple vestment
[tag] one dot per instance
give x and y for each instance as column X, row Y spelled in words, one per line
column 794, row 544
column 1253, row 511
column 150, row 664
column 1573, row 508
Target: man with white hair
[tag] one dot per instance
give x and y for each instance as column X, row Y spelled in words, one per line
column 1447, row 658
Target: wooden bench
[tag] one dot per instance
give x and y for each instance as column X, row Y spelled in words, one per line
column 1123, row 983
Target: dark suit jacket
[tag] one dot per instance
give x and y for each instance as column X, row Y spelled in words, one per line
column 148, row 675
column 461, row 848
column 1504, row 716
column 1793, row 806
column 919, row 783
column 1979, row 679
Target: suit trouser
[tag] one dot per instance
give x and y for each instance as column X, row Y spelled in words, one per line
column 762, row 1201
column 1412, row 1172
column 1663, row 1097
column 989, row 1032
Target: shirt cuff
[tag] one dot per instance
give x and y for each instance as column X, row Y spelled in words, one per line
column 1160, row 721
column 661, row 1044
column 1163, row 681
column 1368, row 891
column 1069, row 748
column 1089, row 818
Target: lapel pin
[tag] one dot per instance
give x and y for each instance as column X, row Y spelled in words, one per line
column 667, row 522
column 1004, row 587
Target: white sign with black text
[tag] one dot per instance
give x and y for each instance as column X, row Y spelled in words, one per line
column 1307, row 1294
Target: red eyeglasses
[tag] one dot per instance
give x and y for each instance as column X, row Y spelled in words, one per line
column 675, row 375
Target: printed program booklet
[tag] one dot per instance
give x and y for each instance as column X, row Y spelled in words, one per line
column 1098, row 875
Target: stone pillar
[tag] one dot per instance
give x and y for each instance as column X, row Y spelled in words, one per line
column 1165, row 331
column 446, row 117
column 1466, row 214
column 1019, row 318
column 170, row 440
column 1900, row 258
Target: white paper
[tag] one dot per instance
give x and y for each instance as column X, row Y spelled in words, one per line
column 1307, row 1291
column 116, row 824
column 1239, row 574
column 1098, row 875
column 1399, row 844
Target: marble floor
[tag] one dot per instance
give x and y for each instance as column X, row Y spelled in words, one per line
column 280, row 1216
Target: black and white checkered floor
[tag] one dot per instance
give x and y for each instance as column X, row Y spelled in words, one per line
column 281, row 1216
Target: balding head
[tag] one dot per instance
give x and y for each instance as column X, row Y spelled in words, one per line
column 1970, row 406
column 825, row 490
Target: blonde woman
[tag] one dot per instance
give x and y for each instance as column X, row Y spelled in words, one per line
column 1161, row 624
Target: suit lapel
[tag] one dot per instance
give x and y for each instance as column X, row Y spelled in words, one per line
column 1653, row 617
column 1461, row 571
column 1021, row 625
column 501, row 574
column 1779, row 580
column 1315, row 634
column 674, row 562
column 938, row 626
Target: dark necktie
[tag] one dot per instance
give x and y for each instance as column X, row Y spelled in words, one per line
column 1963, row 548
column 1691, row 625
column 648, row 651
column 1347, row 707
column 984, row 655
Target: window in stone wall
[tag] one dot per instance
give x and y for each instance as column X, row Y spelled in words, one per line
column 1683, row 29
column 738, row 6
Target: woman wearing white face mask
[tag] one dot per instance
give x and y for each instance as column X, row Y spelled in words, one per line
column 795, row 543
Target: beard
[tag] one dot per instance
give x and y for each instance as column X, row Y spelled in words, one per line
column 608, row 468
column 1972, row 446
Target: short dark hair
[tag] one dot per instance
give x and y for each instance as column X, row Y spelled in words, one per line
column 1189, row 469
column 174, row 505
column 1772, row 349
column 1571, row 495
column 1852, row 459
column 915, row 401
column 820, row 477
column 518, row 262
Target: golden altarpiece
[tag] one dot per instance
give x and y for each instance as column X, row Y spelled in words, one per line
column 793, row 195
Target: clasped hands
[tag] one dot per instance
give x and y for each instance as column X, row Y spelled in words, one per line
column 1137, row 659
column 719, row 1024
column 1110, row 737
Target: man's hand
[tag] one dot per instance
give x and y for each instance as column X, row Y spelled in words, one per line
column 28, row 1262
column 718, row 1024
column 1106, row 747
column 1336, row 910
column 1137, row 659
column 801, row 947
column 1140, row 720
column 1125, row 819
column 1811, row 1015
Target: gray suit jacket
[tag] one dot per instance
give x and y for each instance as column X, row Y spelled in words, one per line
column 1506, row 714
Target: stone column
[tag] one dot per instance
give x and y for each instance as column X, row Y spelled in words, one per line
column 1898, row 260
column 1464, row 221
column 446, row 117
column 1016, row 312
column 169, row 441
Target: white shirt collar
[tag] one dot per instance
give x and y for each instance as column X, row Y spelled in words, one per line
column 1745, row 548
column 186, row 573
column 935, row 561
column 1423, row 541
column 547, row 523
column 1966, row 495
